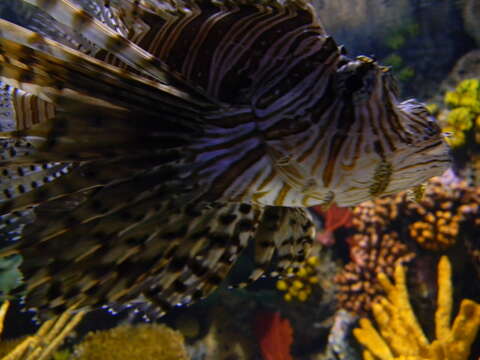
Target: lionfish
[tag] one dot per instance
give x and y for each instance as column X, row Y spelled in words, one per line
column 146, row 143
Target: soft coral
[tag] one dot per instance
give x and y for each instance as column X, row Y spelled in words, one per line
column 275, row 336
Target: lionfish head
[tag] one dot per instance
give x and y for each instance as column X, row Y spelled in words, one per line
column 421, row 152
column 390, row 146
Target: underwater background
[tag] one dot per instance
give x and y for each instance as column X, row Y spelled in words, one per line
column 427, row 246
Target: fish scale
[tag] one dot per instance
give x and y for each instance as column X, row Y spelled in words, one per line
column 189, row 129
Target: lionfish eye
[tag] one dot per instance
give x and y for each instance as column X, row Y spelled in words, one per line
column 432, row 128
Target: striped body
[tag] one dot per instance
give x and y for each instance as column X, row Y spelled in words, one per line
column 181, row 131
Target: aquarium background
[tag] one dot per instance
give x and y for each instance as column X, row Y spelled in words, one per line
column 433, row 49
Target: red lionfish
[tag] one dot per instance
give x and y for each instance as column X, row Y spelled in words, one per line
column 154, row 139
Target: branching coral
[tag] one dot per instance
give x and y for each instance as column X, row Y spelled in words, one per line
column 371, row 253
column 433, row 222
column 385, row 227
column 127, row 342
column 298, row 285
column 465, row 114
column 436, row 219
column 400, row 336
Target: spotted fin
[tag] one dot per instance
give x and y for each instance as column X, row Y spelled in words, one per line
column 167, row 254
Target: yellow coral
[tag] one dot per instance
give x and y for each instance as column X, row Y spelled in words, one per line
column 400, row 336
column 465, row 104
column 298, row 285
column 128, row 342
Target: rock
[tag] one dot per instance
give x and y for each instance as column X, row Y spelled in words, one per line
column 467, row 67
column 471, row 14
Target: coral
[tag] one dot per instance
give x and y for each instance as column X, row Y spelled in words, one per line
column 139, row 342
column 371, row 253
column 275, row 336
column 434, row 221
column 400, row 336
column 464, row 102
column 298, row 285
column 46, row 341
column 334, row 218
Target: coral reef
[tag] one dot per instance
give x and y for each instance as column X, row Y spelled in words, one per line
column 389, row 230
column 275, row 336
column 298, row 285
column 371, row 253
column 434, row 221
column 400, row 335
column 129, row 342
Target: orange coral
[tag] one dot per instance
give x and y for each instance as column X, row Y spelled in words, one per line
column 275, row 336
column 335, row 218
column 371, row 253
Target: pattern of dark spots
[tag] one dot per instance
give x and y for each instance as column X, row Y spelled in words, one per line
column 100, row 235
column 34, row 184
column 197, row 295
column 227, row 219
column 306, row 227
column 72, row 292
column 197, row 268
column 12, row 152
column 271, row 217
column 219, row 239
column 288, row 257
column 227, row 259
column 8, row 194
column 178, row 263
column 245, row 208
column 101, row 270
column 80, row 20
column 300, row 258
column 115, row 43
column 26, row 76
column 51, row 142
column 42, row 194
column 245, row 225
column 92, row 291
column 60, row 308
column 5, row 172
column 33, row 167
column 192, row 212
column 97, row 205
column 214, row 279
column 133, row 241
column 265, row 244
column 22, row 189
column 199, row 234
column 70, row 221
column 179, row 286
column 46, row 4
column 170, row 252
column 55, row 290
